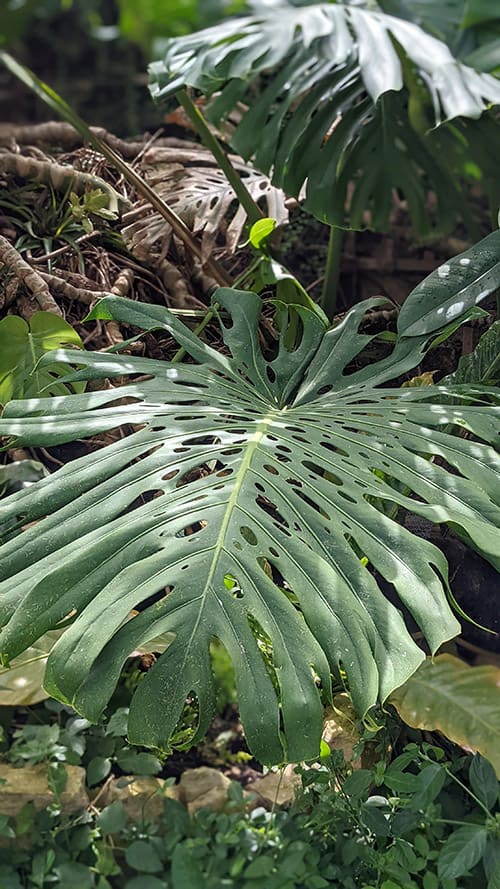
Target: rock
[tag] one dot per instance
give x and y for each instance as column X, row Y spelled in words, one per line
column 142, row 798
column 277, row 788
column 340, row 729
column 29, row 784
column 203, row 788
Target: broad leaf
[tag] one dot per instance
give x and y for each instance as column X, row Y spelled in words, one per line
column 462, row 851
column 454, row 287
column 463, row 702
column 22, row 346
column 478, row 11
column 483, row 364
column 247, row 506
column 190, row 182
column 442, row 19
column 333, row 114
column 21, row 684
column 483, row 781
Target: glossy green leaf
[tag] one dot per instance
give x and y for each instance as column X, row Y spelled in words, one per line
column 261, row 231
column 462, row 702
column 462, row 851
column 454, row 287
column 333, row 116
column 483, row 781
column 22, row 346
column 494, row 880
column 483, row 364
column 74, row 874
column 142, row 856
column 441, row 18
column 429, row 784
column 270, row 472
column 97, row 770
column 491, row 858
column 146, row 882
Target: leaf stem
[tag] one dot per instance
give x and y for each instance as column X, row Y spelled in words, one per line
column 328, row 300
column 196, row 117
column 209, row 314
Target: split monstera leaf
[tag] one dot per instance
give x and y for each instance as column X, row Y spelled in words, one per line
column 342, row 102
column 255, row 502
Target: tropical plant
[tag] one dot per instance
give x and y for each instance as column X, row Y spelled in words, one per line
column 250, row 505
column 462, row 702
column 21, row 347
column 342, row 101
column 471, row 28
column 483, row 364
column 191, row 183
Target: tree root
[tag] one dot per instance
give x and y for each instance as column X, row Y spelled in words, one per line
column 21, row 271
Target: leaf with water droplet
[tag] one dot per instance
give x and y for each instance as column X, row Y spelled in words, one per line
column 452, row 289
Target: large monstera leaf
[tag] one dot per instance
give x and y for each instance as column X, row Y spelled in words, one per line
column 345, row 104
column 254, row 504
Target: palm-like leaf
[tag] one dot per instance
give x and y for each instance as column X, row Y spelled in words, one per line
column 334, row 114
column 244, row 507
column 190, row 182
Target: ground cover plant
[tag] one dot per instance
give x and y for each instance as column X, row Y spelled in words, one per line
column 426, row 818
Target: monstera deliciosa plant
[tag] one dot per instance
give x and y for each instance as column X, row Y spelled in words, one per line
column 343, row 101
column 254, row 502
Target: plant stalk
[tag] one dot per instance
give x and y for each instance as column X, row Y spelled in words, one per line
column 209, row 314
column 329, row 292
column 246, row 200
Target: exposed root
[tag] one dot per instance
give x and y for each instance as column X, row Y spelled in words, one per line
column 59, row 176
column 19, row 269
column 62, row 135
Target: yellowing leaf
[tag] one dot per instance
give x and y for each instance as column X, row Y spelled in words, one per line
column 463, row 702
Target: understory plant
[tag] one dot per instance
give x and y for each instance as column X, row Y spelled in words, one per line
column 257, row 500
column 426, row 820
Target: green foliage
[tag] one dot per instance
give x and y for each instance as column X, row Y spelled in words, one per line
column 156, row 19
column 348, row 99
column 271, row 473
column 73, row 740
column 21, row 347
column 46, row 219
column 471, row 28
column 483, row 365
column 460, row 701
column 421, row 821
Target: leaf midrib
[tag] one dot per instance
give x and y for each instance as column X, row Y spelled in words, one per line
column 231, row 505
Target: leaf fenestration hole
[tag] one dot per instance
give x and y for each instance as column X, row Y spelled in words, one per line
column 271, row 469
column 248, row 535
column 347, row 497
